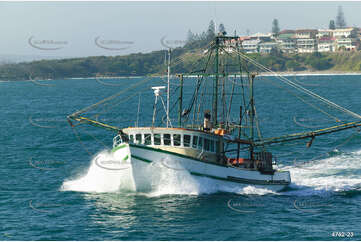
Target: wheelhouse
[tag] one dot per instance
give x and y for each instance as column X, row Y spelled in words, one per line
column 195, row 143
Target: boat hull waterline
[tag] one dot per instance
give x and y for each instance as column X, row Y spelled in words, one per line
column 148, row 161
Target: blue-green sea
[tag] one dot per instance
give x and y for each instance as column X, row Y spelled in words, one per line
column 49, row 189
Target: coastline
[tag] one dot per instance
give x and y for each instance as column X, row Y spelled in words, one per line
column 286, row 73
column 311, row 73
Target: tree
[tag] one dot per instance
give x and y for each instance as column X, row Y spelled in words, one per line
column 275, row 27
column 211, row 30
column 340, row 19
column 332, row 25
column 222, row 29
column 190, row 37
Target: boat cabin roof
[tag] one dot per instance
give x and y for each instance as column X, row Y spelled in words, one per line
column 175, row 137
column 171, row 131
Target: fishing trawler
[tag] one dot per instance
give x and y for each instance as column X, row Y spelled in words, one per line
column 208, row 144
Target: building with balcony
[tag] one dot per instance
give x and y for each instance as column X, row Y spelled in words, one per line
column 324, row 33
column 345, row 33
column 326, row 44
column 261, row 36
column 306, row 45
column 286, row 43
column 305, row 33
column 358, row 34
column 267, row 47
column 251, row 46
column 348, row 44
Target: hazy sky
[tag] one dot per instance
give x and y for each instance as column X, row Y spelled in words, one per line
column 27, row 28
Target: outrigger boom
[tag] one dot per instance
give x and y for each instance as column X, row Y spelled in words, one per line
column 81, row 120
column 311, row 134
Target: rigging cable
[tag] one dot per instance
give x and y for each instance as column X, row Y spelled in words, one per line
column 109, row 98
column 303, row 100
column 300, row 88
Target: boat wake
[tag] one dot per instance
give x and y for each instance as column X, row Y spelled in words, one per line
column 109, row 174
column 338, row 173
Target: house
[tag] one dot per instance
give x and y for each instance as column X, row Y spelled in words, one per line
column 306, row 45
column 305, row 33
column 250, row 46
column 324, row 33
column 345, row 33
column 358, row 34
column 242, row 38
column 286, row 41
column 326, row 44
column 358, row 38
column 261, row 36
column 267, row 47
column 348, row 44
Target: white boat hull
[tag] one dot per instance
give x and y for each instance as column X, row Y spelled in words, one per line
column 146, row 163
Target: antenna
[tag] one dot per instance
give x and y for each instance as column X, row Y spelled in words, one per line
column 157, row 90
column 156, row 94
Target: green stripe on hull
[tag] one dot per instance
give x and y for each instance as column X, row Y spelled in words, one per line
column 242, row 180
column 176, row 154
column 257, row 182
column 229, row 178
column 119, row 147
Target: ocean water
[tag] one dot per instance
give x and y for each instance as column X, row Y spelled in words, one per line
column 52, row 189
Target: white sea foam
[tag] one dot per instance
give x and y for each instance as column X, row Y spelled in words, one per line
column 338, row 173
column 99, row 179
column 165, row 178
column 333, row 174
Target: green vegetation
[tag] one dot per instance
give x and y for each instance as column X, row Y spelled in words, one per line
column 185, row 59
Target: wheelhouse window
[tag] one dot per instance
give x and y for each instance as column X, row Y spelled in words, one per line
column 206, row 144
column 212, row 146
column 200, row 143
column 147, row 139
column 156, row 139
column 176, row 139
column 138, row 138
column 217, row 147
column 195, row 141
column 166, row 139
column 186, row 140
column 131, row 138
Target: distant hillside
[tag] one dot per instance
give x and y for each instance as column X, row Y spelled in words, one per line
column 8, row 59
column 185, row 59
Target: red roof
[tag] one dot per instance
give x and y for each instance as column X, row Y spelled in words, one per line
column 244, row 38
column 306, row 31
column 286, row 31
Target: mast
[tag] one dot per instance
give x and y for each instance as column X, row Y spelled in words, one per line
column 251, row 114
column 168, row 89
column 215, row 84
column 180, row 101
column 239, row 131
